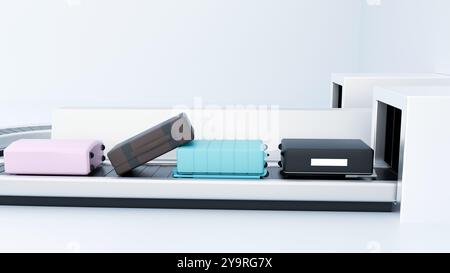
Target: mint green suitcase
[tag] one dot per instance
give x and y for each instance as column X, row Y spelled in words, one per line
column 242, row 159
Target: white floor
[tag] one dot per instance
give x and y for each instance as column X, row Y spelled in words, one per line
column 150, row 230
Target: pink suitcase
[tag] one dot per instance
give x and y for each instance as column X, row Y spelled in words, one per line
column 53, row 157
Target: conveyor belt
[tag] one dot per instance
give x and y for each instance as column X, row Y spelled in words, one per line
column 153, row 172
column 24, row 129
column 28, row 191
column 19, row 130
column 164, row 171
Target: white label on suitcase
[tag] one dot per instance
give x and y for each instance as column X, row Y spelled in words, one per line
column 326, row 162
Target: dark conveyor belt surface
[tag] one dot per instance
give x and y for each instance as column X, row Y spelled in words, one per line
column 155, row 171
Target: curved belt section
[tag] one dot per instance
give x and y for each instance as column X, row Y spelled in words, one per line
column 9, row 135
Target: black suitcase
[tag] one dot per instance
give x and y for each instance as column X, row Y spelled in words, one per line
column 151, row 144
column 325, row 157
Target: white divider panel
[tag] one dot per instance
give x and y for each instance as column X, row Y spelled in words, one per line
column 357, row 88
column 424, row 187
column 269, row 124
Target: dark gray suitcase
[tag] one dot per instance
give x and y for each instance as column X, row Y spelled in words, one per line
column 151, row 144
column 325, row 157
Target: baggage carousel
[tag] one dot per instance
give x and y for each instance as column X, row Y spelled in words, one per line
column 153, row 186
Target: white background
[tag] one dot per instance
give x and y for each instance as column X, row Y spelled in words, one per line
column 160, row 53
column 56, row 53
column 405, row 36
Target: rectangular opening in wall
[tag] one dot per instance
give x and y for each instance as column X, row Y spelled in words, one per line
column 389, row 123
column 393, row 129
column 337, row 95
